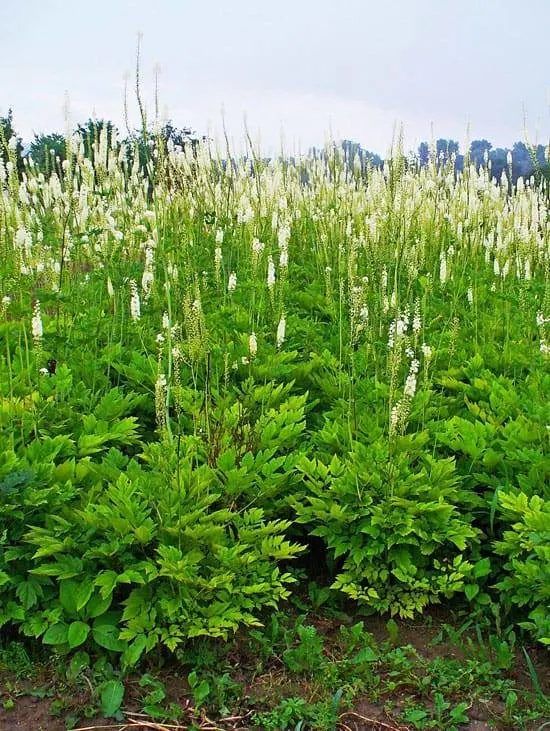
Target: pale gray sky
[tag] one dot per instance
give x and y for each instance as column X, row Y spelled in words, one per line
column 350, row 67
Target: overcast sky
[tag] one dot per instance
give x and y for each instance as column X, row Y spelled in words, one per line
column 347, row 68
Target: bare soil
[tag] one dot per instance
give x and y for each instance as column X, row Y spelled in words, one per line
column 31, row 704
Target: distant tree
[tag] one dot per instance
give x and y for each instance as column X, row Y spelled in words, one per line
column 10, row 139
column 478, row 148
column 355, row 156
column 92, row 131
column 445, row 149
column 151, row 145
column 47, row 150
column 499, row 161
column 423, row 153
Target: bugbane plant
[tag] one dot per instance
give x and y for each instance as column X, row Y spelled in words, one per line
column 242, row 357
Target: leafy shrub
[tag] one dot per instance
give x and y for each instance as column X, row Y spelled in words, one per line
column 129, row 555
column 394, row 519
column 526, row 549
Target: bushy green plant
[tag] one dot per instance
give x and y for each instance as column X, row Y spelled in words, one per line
column 127, row 555
column 525, row 547
column 393, row 519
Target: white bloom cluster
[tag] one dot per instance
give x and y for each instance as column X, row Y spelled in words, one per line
column 398, row 329
column 426, row 351
column 443, row 269
column 257, row 247
column 147, row 278
column 417, row 321
column 232, row 282
column 270, row 273
column 135, row 307
column 281, row 328
column 36, row 323
column 252, row 345
column 410, row 383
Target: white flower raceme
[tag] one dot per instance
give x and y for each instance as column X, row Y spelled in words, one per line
column 36, row 323
column 147, row 282
column 398, row 328
column 270, row 273
column 283, row 236
column 110, row 288
column 426, row 351
column 410, row 385
column 257, row 247
column 443, row 269
column 281, row 328
column 219, row 236
column 252, row 345
column 232, row 282
column 135, row 307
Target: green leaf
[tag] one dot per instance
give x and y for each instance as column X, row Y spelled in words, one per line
column 471, row 590
column 83, row 593
column 107, row 580
column 57, row 634
column 26, row 593
column 367, row 654
column 111, row 697
column 79, row 662
column 134, row 651
column 78, row 632
column 67, row 596
column 482, row 568
column 106, row 632
column 97, row 606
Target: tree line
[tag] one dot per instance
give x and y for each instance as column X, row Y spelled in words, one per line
column 520, row 160
column 48, row 151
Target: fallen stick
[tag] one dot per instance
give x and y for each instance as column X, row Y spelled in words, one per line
column 374, row 722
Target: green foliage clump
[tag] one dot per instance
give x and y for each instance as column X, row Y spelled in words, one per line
column 104, row 550
column 526, row 550
column 396, row 521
